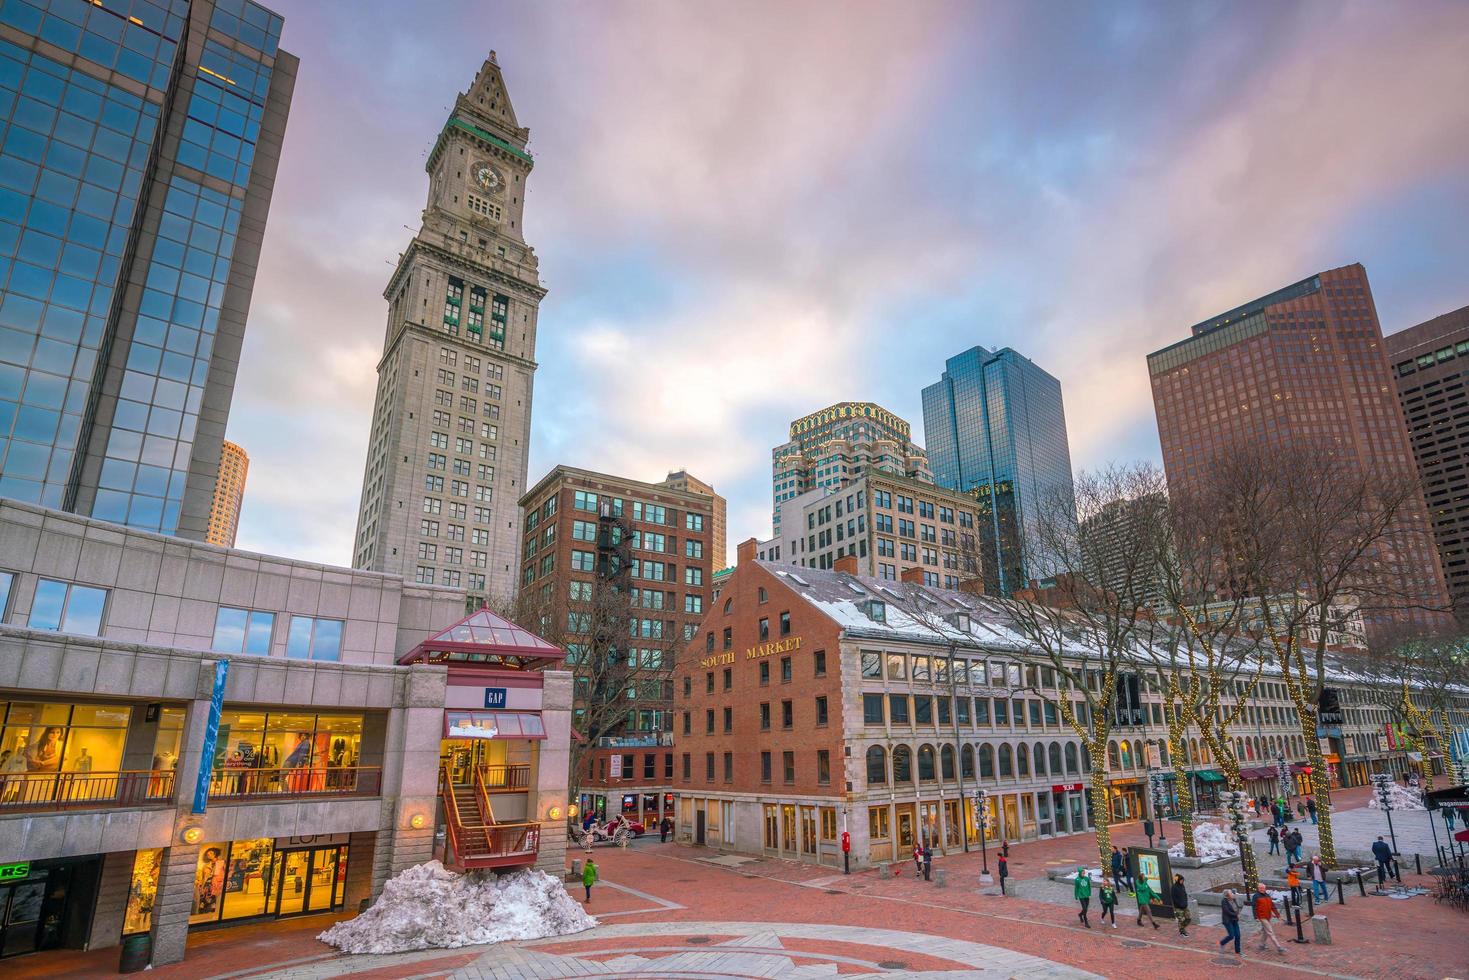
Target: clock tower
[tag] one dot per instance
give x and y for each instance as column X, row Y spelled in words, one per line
column 447, row 456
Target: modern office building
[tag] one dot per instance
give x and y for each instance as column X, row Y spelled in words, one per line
column 619, row 572
column 140, row 150
column 229, row 495
column 682, row 480
column 996, row 428
column 815, row 702
column 1430, row 363
column 361, row 714
column 1302, row 365
column 447, row 455
column 840, row 443
column 1108, row 546
column 890, row 525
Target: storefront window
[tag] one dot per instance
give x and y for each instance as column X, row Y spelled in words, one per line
column 232, row 880
column 144, row 889
column 285, row 753
column 60, row 751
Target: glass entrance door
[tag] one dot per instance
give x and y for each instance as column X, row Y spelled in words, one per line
column 309, row 880
column 20, row 916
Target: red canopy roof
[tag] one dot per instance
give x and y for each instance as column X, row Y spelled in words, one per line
column 484, row 637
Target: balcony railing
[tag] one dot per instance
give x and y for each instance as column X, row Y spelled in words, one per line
column 85, row 790
column 250, row 784
column 503, row 779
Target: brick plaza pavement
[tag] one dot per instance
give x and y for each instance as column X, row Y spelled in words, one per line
column 668, row 911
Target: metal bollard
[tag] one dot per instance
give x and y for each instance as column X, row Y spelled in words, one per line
column 1300, row 933
column 1286, row 903
column 1397, row 873
column 1360, row 886
column 1341, row 898
column 1310, row 901
column 1418, row 862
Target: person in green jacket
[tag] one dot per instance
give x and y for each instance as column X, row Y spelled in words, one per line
column 589, row 878
column 1107, row 894
column 1145, row 896
column 1082, row 892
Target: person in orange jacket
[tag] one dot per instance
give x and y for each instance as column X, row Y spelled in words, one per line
column 1265, row 914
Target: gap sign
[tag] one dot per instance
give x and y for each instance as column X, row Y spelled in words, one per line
column 494, row 697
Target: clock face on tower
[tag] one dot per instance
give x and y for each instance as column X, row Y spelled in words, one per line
column 487, row 177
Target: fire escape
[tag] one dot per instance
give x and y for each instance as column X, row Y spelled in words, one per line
column 611, row 612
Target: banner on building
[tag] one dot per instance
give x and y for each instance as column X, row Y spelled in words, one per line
column 211, row 736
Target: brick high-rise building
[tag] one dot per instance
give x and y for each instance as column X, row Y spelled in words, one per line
column 446, row 459
column 839, row 443
column 229, row 495
column 1304, row 364
column 682, row 480
column 612, row 567
column 141, row 145
column 1430, row 363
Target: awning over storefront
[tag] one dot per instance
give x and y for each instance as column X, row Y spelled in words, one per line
column 494, row 724
column 1209, row 776
column 1259, row 772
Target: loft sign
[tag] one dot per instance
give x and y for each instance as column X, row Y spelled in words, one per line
column 787, row 645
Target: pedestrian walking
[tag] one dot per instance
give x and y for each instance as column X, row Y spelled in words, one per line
column 927, row 861
column 1118, row 875
column 1297, row 842
column 1145, row 896
column 1318, row 879
column 1265, row 914
column 1127, row 868
column 918, row 860
column 1311, row 807
column 589, row 878
column 1274, row 836
column 1082, row 892
column 1449, row 814
column 1107, row 895
column 665, row 827
column 1382, row 853
column 1230, row 909
column 1179, row 894
column 1004, row 873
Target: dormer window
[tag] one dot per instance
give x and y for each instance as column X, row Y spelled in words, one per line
column 877, row 611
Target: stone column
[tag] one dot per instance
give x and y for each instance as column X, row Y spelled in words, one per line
column 360, row 886
column 174, row 903
column 112, row 899
column 552, row 771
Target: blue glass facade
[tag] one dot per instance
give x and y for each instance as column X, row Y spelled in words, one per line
column 996, row 428
column 83, row 159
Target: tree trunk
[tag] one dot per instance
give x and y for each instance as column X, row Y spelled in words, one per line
column 1320, row 782
column 1101, row 806
column 1181, row 786
column 1249, row 870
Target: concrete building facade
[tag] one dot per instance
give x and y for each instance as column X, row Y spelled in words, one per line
column 1304, row 365
column 841, row 442
column 1430, row 363
column 718, row 540
column 229, row 495
column 447, row 454
column 142, row 146
column 134, row 810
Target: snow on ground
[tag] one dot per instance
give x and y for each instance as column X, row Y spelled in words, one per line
column 1402, row 798
column 1211, row 843
column 430, row 907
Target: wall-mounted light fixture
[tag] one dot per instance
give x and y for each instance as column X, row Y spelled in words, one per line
column 571, row 810
column 555, row 813
column 193, row 835
column 416, row 821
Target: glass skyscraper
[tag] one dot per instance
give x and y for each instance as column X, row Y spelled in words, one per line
column 140, row 143
column 995, row 428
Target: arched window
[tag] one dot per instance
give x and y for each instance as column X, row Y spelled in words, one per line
column 1006, row 766
column 1113, row 762
column 925, row 763
column 1163, row 752
column 966, row 762
column 1022, row 760
column 1055, row 753
column 946, row 762
column 877, row 766
column 1139, row 757
column 902, row 764
column 728, row 605
column 987, row 761
column 1071, row 758
column 1086, row 759
column 1204, row 755
column 1122, row 761
column 1040, row 759
column 1191, row 750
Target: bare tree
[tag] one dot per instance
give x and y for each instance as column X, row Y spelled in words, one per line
column 1420, row 680
column 1305, row 537
column 1085, row 614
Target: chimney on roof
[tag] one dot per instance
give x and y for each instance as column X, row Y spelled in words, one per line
column 846, row 563
column 913, row 576
column 973, row 586
column 745, row 551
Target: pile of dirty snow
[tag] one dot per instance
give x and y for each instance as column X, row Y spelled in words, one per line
column 1211, row 842
column 430, row 907
column 1402, row 798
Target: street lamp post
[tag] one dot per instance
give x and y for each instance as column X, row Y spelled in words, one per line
column 1383, row 783
column 981, row 815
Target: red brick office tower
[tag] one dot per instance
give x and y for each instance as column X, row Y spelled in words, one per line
column 1304, row 364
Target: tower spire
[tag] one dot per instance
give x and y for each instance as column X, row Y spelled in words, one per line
column 487, row 104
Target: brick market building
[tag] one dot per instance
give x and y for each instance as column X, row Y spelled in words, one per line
column 1302, row 365
column 819, row 701
column 601, row 548
column 1429, row 364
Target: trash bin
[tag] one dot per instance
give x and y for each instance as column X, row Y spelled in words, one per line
column 137, row 951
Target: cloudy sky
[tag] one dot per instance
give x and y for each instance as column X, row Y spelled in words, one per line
column 747, row 211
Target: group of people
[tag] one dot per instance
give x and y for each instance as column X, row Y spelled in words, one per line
column 1292, row 840
column 1139, row 887
column 1280, row 809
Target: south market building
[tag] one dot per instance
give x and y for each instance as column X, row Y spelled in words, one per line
column 814, row 702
